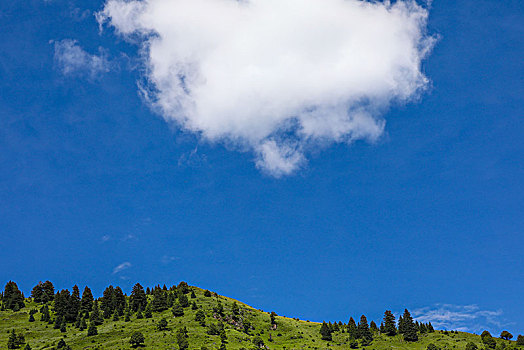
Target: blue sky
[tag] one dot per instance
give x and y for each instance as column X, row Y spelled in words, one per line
column 98, row 187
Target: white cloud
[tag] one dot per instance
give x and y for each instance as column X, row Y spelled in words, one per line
column 277, row 76
column 71, row 59
column 123, row 266
column 106, row 238
column 468, row 318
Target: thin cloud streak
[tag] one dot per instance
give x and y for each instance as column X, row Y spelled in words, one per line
column 123, row 266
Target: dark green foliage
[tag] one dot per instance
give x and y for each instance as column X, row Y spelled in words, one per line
column 207, row 293
column 246, row 325
column 389, row 324
column 115, row 316
column 139, row 314
column 218, row 310
column 127, row 316
column 325, row 332
column 95, row 316
column 58, row 322
column 44, row 310
column 363, row 331
column 107, row 302
column 194, row 306
column 488, row 340
column 181, row 339
column 159, row 302
column 432, row 346
column 91, row 331
column 43, row 292
column 162, row 325
column 235, row 309
column 87, row 300
column 12, row 298
column 183, row 300
column 13, row 341
column 31, row 318
column 74, row 304
column 373, row 326
column 177, row 310
column 430, row 328
column 83, row 324
column 183, row 287
column 147, row 312
column 200, row 317
column 471, row 346
column 63, row 327
column 353, row 344
column 520, row 340
column 352, row 328
column 193, row 295
column 137, row 339
column 409, row 328
column 62, row 302
column 27, row 347
column 506, row 335
column 62, row 345
column 401, row 325
column 138, row 298
column 258, row 342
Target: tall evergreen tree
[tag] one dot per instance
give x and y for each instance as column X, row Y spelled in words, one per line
column 325, row 332
column 363, row 331
column 410, row 329
column 520, row 340
column 43, row 292
column 13, row 298
column 183, row 300
column 138, row 298
column 178, row 310
column 91, row 330
column 119, row 301
column 95, row 316
column 159, row 301
column 74, row 304
column 45, row 313
column 107, row 302
column 389, row 323
column 87, row 300
column 181, row 339
column 352, row 328
column 62, row 299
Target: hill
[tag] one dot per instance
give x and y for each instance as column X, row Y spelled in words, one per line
column 193, row 317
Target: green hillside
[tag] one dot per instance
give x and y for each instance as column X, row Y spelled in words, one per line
column 208, row 321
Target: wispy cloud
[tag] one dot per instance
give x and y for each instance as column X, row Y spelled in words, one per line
column 123, row 266
column 105, row 238
column 72, row 59
column 166, row 259
column 470, row 318
column 278, row 77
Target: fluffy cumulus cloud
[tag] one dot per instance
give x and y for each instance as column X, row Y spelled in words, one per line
column 72, row 59
column 468, row 318
column 278, row 77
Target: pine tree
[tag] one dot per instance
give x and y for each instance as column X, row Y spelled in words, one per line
column 181, row 339
column 43, row 292
column 207, row 293
column 148, row 313
column 27, row 347
column 106, row 302
column 31, row 318
column 159, row 301
column 83, row 324
column 200, row 317
column 401, row 325
column 325, row 332
column 62, row 299
column 91, row 331
column 352, row 328
column 471, row 346
column 182, row 299
column 410, row 329
column 137, row 339
column 12, row 298
column 430, row 328
column 363, row 331
column 58, row 322
column 12, row 342
column 87, row 300
column 139, row 314
column 95, row 316
column 193, row 295
column 520, row 340
column 74, row 304
column 177, row 310
column 115, row 316
column 45, row 314
column 389, row 324
column 63, row 328
column 373, row 326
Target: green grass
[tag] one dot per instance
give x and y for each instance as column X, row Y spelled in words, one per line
column 290, row 333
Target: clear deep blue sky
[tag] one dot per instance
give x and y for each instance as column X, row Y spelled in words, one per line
column 91, row 178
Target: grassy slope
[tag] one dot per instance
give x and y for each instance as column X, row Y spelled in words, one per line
column 291, row 333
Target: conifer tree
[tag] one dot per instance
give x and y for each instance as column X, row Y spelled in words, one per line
column 159, row 301
column 137, row 339
column 471, row 346
column 363, row 331
column 148, row 313
column 410, row 329
column 45, row 314
column 31, row 318
column 62, row 302
column 91, row 331
column 83, row 324
column 373, row 326
column 194, row 306
column 389, row 324
column 193, row 295
column 12, row 341
column 181, row 339
column 430, row 328
column 200, row 317
column 63, row 328
column 115, row 315
column 138, row 298
column 96, row 317
column 87, row 300
column 107, row 303
column 177, row 310
column 182, row 299
column 520, row 340
column 58, row 322
column 352, row 328
column 325, row 332
column 139, row 314
column 12, row 298
column 207, row 293
column 74, row 304
column 401, row 327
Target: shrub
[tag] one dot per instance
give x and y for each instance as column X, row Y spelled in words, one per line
column 137, row 339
